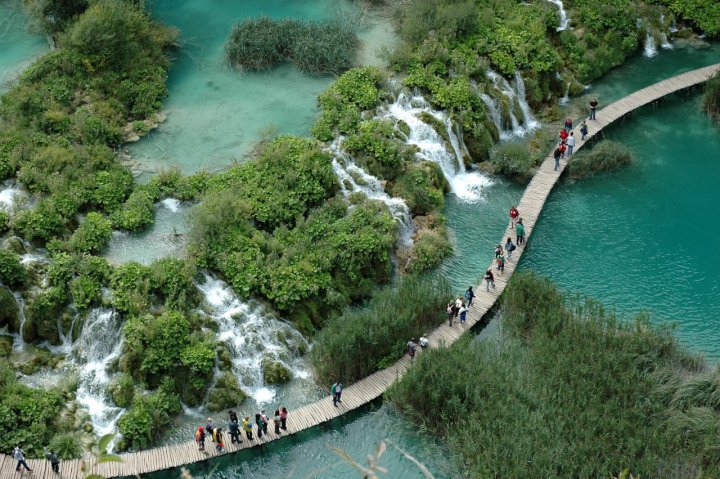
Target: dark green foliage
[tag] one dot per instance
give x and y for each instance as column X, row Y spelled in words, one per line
column 9, row 311
column 379, row 148
column 274, row 372
column 122, row 390
column 148, row 417
column 27, row 415
column 225, row 394
column 423, row 187
column 362, row 340
column 568, row 390
column 66, row 446
column 172, row 280
column 430, row 248
column 317, row 48
column 4, row 222
column 711, row 100
column 605, row 156
column 131, row 286
column 92, row 235
column 12, row 274
column 512, row 159
column 703, row 14
column 41, row 314
column 81, row 276
column 137, row 212
column 52, row 16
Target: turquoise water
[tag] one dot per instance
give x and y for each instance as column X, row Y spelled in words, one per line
column 17, row 46
column 215, row 114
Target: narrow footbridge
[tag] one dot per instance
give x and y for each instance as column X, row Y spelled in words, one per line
column 373, row 386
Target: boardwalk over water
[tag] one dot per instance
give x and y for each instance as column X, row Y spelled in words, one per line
column 373, row 386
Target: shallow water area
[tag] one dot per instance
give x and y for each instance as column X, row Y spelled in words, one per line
column 18, row 46
column 214, row 114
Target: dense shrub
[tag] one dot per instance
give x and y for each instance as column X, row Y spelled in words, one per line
column 148, row 417
column 711, row 100
column 567, row 390
column 260, row 44
column 66, row 446
column 423, row 187
column 225, row 394
column 92, row 235
column 512, row 159
column 9, row 311
column 12, row 273
column 429, row 250
column 379, row 330
column 605, row 156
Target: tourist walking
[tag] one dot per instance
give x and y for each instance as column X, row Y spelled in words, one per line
column 283, row 418
column 258, row 422
column 563, row 135
column 336, row 391
column 265, row 421
column 489, row 280
column 556, row 155
column 233, row 416
column 218, row 440
column 509, row 247
column 234, row 430
column 247, row 427
column 200, row 438
column 209, row 426
column 514, row 215
column 501, row 264
column 593, row 107
column 411, row 348
column 463, row 314
column 19, row 456
column 450, row 312
column 276, row 421
column 583, row 130
column 498, row 250
column 563, row 149
column 469, row 296
column 570, row 143
column 520, row 232
column 54, row 461
column 424, row 341
column 568, row 124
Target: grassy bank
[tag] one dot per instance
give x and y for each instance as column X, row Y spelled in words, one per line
column 711, row 100
column 604, row 156
column 567, row 390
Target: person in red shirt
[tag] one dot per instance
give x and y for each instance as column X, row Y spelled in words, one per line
column 562, row 148
column 514, row 215
column 563, row 135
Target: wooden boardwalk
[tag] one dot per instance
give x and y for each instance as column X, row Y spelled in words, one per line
column 373, row 386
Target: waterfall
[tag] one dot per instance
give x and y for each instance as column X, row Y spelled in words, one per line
column 649, row 50
column 516, row 94
column 664, row 42
column 495, row 116
column 530, row 122
column 566, row 99
column 9, row 195
column 19, row 342
column 172, row 204
column 99, row 344
column 564, row 19
column 349, row 173
column 465, row 185
column 251, row 334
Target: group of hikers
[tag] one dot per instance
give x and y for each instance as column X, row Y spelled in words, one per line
column 261, row 422
column 567, row 136
column 19, row 456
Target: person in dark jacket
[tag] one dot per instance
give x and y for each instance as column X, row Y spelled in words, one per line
column 54, row 461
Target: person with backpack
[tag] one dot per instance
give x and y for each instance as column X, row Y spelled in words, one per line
column 265, row 421
column 501, row 264
column 54, row 461
column 583, row 130
column 19, row 456
column 234, row 430
column 276, row 421
column 463, row 315
column 259, row 423
column 218, row 440
column 336, row 390
column 557, row 154
column 520, row 232
column 412, row 348
column 568, row 124
column 200, row 438
column 509, row 247
column 450, row 312
column 233, row 416
column 424, row 341
column 593, row 107
column 247, row 427
column 283, row 418
column 209, row 426
column 514, row 214
column 469, row 296
column 489, row 280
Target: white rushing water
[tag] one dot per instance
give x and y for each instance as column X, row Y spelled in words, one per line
column 251, row 334
column 516, row 96
column 100, row 343
column 10, row 194
column 354, row 179
column 649, row 49
column 665, row 43
column 564, row 19
column 566, row 98
column 468, row 186
column 18, row 341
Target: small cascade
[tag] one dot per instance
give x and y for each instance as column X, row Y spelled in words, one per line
column 494, row 112
column 10, row 193
column 564, row 19
column 349, row 173
column 251, row 334
column 530, row 122
column 664, row 42
column 566, row 99
column 504, row 87
column 99, row 344
column 465, row 185
column 18, row 341
column 173, row 204
column 649, row 50
column 514, row 95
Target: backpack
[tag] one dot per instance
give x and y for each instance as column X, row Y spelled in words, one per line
column 512, row 247
column 468, row 296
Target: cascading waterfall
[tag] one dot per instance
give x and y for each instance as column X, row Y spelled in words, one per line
column 99, row 343
column 566, row 98
column 465, row 185
column 251, row 334
column 348, row 174
column 9, row 195
column 530, row 122
column 518, row 95
column 664, row 42
column 18, row 341
column 564, row 19
column 504, row 87
column 494, row 112
column 650, row 49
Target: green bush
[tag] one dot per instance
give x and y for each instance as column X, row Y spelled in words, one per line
column 149, row 416
column 130, row 284
column 4, row 222
column 9, row 311
column 173, row 280
column 66, row 446
column 12, row 273
column 92, row 235
column 379, row 149
column 605, row 156
column 274, row 372
column 563, row 381
column 378, row 330
column 512, row 159
column 711, row 100
column 41, row 314
column 423, row 187
column 260, row 44
column 122, row 390
column 225, row 394
column 429, row 249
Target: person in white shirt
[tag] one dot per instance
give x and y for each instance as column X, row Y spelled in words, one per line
column 570, row 144
column 424, row 342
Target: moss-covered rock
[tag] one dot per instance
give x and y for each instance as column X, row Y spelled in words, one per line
column 37, row 359
column 9, row 311
column 225, row 394
column 274, row 372
column 14, row 244
column 6, row 343
column 122, row 391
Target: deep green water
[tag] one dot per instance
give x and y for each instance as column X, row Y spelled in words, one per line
column 17, row 46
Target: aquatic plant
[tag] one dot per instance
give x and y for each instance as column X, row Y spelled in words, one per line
column 711, row 100
column 568, row 389
column 66, row 446
column 512, row 158
column 605, row 156
column 317, row 48
column 378, row 330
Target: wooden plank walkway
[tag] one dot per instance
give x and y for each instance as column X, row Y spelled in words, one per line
column 373, row 386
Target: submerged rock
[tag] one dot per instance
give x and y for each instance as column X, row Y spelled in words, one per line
column 274, row 372
column 225, row 394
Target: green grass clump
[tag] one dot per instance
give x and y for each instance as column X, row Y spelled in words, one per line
column 363, row 340
column 711, row 101
column 605, row 156
column 567, row 390
column 316, row 48
column 512, row 159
